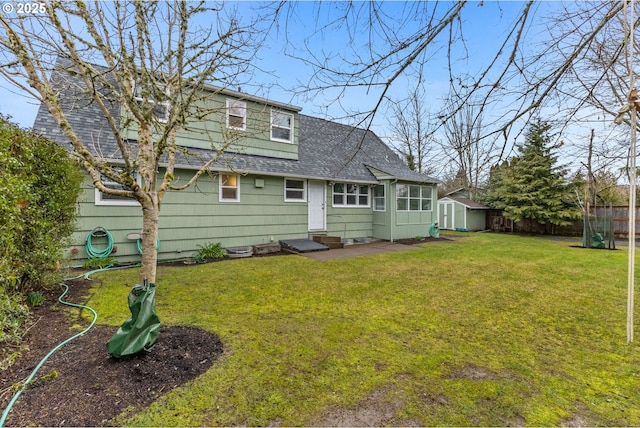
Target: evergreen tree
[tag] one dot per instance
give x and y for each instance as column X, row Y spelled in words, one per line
column 533, row 186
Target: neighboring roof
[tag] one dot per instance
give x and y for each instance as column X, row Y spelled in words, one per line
column 453, row 192
column 467, row 203
column 326, row 150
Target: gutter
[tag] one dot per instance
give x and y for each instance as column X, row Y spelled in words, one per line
column 394, row 208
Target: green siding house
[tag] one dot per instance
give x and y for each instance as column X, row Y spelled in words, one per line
column 285, row 176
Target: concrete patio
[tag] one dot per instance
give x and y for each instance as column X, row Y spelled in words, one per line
column 359, row 250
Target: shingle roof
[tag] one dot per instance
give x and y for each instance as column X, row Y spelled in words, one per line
column 468, row 203
column 327, row 150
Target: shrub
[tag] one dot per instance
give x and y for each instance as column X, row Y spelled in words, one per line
column 35, row 298
column 13, row 315
column 210, row 251
column 39, row 187
column 98, row 263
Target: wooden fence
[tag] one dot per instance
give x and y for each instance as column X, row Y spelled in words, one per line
column 618, row 214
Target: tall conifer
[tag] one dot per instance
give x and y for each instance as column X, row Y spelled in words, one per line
column 533, row 186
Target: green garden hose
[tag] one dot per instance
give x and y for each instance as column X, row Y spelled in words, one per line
column 99, row 254
column 139, row 245
column 46, row 357
column 61, row 344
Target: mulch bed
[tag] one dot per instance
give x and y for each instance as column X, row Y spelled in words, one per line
column 81, row 384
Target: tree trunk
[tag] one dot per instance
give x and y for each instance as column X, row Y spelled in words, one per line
column 150, row 223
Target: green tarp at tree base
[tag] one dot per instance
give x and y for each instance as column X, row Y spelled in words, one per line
column 434, row 231
column 140, row 331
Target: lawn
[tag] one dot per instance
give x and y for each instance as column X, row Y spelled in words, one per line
column 490, row 330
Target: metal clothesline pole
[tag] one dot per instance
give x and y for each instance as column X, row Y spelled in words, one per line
column 632, row 179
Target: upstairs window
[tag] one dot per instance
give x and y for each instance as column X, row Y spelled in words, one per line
column 350, row 195
column 281, row 126
column 236, row 115
column 414, row 198
column 229, row 188
column 160, row 109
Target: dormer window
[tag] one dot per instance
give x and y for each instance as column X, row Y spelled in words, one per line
column 236, row 115
column 160, row 108
column 281, row 126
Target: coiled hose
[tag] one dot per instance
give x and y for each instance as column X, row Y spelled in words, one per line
column 139, row 245
column 92, row 252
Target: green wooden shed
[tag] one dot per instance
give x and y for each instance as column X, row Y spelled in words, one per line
column 458, row 213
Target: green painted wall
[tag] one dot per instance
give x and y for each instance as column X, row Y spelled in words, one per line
column 382, row 219
column 409, row 224
column 476, row 220
column 212, row 132
column 459, row 216
column 350, row 222
column 195, row 217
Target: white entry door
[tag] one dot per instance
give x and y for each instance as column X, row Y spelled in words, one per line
column 317, row 201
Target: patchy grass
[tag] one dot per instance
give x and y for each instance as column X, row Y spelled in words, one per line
column 491, row 330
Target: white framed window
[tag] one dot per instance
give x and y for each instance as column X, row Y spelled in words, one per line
column 236, row 114
column 281, row 126
column 106, row 199
column 350, row 195
column 295, row 190
column 411, row 197
column 379, row 197
column 229, row 188
column 160, row 108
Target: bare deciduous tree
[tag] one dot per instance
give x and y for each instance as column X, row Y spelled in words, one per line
column 411, row 127
column 466, row 149
column 560, row 58
column 145, row 64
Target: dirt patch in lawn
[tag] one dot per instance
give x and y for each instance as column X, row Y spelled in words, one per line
column 81, row 384
column 378, row 409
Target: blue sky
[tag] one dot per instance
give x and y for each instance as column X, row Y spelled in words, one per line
column 484, row 26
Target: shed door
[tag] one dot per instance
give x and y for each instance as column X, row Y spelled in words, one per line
column 317, row 199
column 446, row 215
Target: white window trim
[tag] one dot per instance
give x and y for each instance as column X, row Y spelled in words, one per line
column 304, row 190
column 237, row 187
column 98, row 201
column 373, row 197
column 408, row 198
column 273, row 113
column 165, row 104
column 358, row 205
column 236, row 104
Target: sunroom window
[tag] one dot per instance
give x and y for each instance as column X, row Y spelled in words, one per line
column 379, row 200
column 411, row 197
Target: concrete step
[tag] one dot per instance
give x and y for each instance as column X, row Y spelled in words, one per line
column 329, row 241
